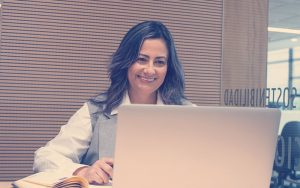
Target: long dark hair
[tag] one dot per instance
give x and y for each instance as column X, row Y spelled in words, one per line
column 171, row 90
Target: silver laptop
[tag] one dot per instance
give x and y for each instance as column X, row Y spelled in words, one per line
column 194, row 147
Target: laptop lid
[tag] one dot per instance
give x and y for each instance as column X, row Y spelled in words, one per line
column 188, row 147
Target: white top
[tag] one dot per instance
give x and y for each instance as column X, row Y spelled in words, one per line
column 58, row 154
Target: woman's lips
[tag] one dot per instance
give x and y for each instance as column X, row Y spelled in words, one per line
column 147, row 79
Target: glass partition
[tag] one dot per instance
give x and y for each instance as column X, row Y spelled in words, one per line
column 284, row 53
column 283, row 78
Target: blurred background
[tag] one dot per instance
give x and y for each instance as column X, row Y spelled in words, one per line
column 284, row 47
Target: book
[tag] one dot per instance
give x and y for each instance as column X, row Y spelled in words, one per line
column 54, row 180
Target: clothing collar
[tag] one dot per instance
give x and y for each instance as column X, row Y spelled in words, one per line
column 126, row 101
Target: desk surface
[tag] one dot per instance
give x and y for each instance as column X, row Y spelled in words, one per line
column 5, row 184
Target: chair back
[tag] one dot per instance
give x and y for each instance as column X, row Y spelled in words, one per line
column 287, row 157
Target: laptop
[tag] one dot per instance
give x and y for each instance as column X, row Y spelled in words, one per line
column 194, row 147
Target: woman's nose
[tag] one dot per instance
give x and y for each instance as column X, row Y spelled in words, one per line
column 149, row 68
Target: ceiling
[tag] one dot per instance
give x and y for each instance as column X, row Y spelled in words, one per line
column 284, row 14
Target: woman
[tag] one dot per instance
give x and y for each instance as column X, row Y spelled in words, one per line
column 144, row 70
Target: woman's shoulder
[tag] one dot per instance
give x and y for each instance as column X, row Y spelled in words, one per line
column 97, row 103
column 186, row 102
column 101, row 98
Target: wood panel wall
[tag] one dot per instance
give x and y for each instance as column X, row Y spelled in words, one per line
column 54, row 57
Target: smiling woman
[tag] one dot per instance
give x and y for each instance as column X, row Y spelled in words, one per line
column 147, row 74
column 153, row 38
column 143, row 70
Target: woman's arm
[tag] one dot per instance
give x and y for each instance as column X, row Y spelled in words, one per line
column 64, row 152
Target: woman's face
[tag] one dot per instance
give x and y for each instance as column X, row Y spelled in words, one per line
column 148, row 73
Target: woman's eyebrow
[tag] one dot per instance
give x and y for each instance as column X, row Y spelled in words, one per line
column 158, row 57
column 144, row 55
column 161, row 57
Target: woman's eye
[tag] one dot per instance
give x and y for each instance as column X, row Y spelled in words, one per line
column 160, row 63
column 141, row 60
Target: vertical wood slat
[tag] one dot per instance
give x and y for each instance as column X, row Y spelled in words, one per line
column 54, row 56
column 244, row 46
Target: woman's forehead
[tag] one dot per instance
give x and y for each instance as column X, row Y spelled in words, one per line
column 154, row 46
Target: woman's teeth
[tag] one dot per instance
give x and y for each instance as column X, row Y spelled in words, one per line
column 151, row 79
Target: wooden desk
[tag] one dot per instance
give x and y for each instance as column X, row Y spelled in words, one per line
column 5, row 184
